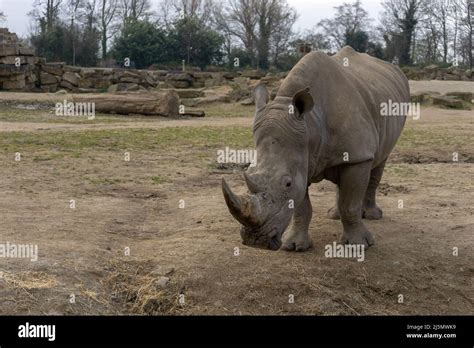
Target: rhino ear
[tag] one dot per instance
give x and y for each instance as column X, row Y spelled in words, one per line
column 303, row 101
column 261, row 96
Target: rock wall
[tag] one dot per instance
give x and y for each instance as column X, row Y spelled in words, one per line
column 17, row 63
column 434, row 72
column 54, row 76
column 21, row 70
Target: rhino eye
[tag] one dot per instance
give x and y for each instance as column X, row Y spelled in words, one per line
column 287, row 181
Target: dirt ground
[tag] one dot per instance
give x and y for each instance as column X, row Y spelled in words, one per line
column 153, row 235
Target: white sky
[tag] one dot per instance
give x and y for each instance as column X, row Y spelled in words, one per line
column 310, row 12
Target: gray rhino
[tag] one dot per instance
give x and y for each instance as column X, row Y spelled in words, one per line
column 324, row 123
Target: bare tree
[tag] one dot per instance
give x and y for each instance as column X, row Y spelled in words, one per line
column 400, row 19
column 73, row 8
column 262, row 27
column 46, row 12
column 107, row 13
column 439, row 10
column 466, row 23
column 349, row 19
column 134, row 9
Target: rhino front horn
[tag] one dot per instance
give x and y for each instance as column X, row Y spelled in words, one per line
column 246, row 209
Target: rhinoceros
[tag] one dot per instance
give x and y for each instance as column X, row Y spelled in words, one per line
column 324, row 123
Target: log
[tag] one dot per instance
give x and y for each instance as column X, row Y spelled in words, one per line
column 165, row 104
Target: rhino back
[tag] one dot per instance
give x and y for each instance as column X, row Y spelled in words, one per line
column 348, row 90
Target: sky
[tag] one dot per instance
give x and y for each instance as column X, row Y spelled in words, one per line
column 310, row 12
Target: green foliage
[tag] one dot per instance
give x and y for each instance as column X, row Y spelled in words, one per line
column 358, row 40
column 143, row 42
column 195, row 43
column 56, row 44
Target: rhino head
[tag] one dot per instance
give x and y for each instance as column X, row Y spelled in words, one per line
column 278, row 182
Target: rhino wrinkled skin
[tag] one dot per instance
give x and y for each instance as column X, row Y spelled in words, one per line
column 324, row 123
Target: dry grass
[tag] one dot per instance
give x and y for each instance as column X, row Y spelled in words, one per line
column 28, row 280
column 135, row 284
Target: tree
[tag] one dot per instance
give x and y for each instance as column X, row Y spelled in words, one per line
column 358, row 40
column 196, row 43
column 465, row 13
column 134, row 9
column 73, row 8
column 262, row 27
column 400, row 19
column 107, row 11
column 348, row 23
column 143, row 42
column 46, row 13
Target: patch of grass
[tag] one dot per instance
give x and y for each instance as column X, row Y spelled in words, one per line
column 433, row 138
column 158, row 179
column 104, row 181
column 77, row 142
column 229, row 110
column 44, row 114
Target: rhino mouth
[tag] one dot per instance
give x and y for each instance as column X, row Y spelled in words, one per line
column 257, row 239
column 262, row 227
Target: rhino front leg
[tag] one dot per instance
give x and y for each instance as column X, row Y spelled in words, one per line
column 297, row 237
column 370, row 209
column 353, row 182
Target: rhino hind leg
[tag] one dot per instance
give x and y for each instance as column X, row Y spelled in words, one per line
column 353, row 183
column 333, row 213
column 297, row 237
column 370, row 209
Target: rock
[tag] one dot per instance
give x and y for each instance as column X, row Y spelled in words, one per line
column 9, row 50
column 72, row 78
column 190, row 93
column 161, row 282
column 431, row 67
column 465, row 96
column 87, row 72
column 451, row 77
column 84, row 83
column 128, row 79
column 56, row 70
column 67, row 85
column 12, row 85
column 248, row 101
column 230, row 75
column 417, row 97
column 48, row 79
column 26, row 51
column 448, row 102
column 253, row 74
column 123, row 87
column 179, row 77
column 179, row 84
column 163, row 271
